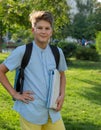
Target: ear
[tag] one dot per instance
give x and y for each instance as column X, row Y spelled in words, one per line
column 32, row 30
column 51, row 33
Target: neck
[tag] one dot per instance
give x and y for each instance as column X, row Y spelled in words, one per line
column 41, row 45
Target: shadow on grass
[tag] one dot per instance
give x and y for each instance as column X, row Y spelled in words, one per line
column 9, row 124
column 1, row 61
column 94, row 93
column 73, row 125
column 88, row 65
column 4, row 125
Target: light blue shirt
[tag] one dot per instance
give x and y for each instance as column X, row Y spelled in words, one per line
column 37, row 81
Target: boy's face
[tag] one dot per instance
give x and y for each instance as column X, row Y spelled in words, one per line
column 42, row 32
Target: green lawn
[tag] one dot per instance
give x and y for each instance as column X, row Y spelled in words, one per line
column 82, row 105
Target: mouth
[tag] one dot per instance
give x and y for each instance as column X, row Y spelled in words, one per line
column 43, row 36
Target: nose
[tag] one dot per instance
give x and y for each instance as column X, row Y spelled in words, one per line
column 43, row 30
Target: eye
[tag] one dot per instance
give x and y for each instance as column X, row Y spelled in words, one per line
column 40, row 28
column 47, row 28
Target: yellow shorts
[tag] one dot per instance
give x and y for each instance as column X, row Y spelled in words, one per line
column 25, row 125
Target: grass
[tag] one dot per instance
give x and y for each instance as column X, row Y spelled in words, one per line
column 82, row 105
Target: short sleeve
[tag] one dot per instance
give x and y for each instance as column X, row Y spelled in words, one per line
column 62, row 63
column 14, row 59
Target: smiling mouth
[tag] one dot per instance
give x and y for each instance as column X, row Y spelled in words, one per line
column 43, row 36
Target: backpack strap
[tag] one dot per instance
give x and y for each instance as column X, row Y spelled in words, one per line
column 27, row 55
column 56, row 54
column 24, row 63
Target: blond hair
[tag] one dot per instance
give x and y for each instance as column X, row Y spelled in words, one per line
column 36, row 16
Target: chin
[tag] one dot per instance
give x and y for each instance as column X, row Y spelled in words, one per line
column 44, row 41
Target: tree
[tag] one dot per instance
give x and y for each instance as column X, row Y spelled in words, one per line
column 96, row 17
column 16, row 14
column 87, row 21
column 79, row 26
column 86, row 7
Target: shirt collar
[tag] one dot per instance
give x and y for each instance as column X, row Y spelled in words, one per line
column 40, row 49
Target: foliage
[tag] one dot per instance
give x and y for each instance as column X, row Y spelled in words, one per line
column 86, row 7
column 15, row 14
column 92, row 46
column 87, row 53
column 24, row 36
column 79, row 26
column 96, row 17
column 69, row 49
column 87, row 21
column 98, row 42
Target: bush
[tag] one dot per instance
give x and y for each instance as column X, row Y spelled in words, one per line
column 92, row 46
column 69, row 49
column 84, row 53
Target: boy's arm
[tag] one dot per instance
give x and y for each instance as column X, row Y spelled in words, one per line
column 25, row 97
column 60, row 99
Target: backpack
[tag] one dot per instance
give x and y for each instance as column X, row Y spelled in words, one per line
column 19, row 76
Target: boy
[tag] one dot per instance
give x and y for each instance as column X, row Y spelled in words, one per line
column 31, row 104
